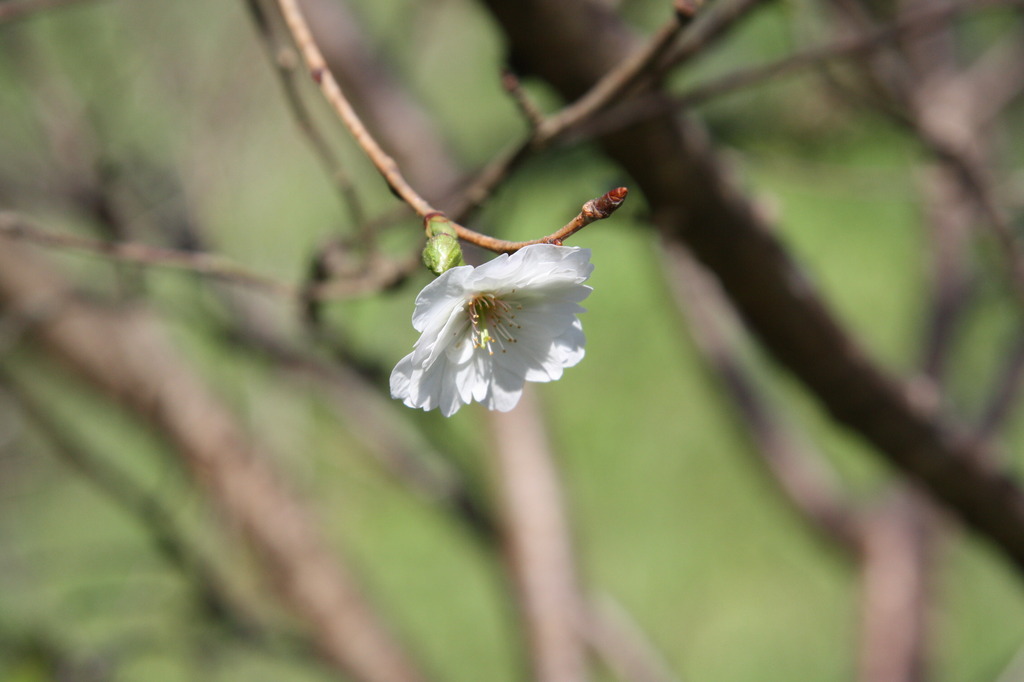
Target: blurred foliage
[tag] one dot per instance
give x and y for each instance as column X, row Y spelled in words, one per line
column 672, row 515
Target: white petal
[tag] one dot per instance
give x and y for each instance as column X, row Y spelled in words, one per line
column 505, row 389
column 543, row 286
column 435, row 302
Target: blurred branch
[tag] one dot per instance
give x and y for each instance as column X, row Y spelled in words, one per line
column 127, row 354
column 801, row 476
column 531, row 113
column 15, row 227
column 286, row 64
column 692, row 199
column 380, row 273
column 935, row 108
column 317, row 68
column 1005, row 395
column 384, row 163
column 995, row 79
column 611, row 632
column 606, row 628
column 545, row 130
column 212, row 593
column 948, row 217
column 12, row 10
column 895, row 591
column 915, row 24
column 708, row 30
column 538, row 545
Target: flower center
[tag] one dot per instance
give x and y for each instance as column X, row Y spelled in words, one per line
column 493, row 322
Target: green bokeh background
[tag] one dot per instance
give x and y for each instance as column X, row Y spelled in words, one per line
column 672, row 516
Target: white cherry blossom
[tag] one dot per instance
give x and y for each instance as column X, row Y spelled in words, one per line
column 487, row 330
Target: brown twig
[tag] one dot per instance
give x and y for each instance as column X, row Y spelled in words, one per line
column 407, row 457
column 614, row 636
column 595, row 209
column 211, row 590
column 801, row 475
column 12, row 11
column 332, row 92
column 381, row 273
column 914, row 25
column 545, row 130
column 384, row 163
column 709, row 29
column 538, row 543
column 693, row 199
column 1005, row 395
column 13, row 226
column 285, row 63
column 533, row 115
column 127, row 355
column 895, row 590
column 617, row 82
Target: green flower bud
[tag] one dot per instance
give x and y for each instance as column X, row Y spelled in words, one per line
column 442, row 251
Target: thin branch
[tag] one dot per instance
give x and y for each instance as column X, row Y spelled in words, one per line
column 800, row 474
column 914, row 25
column 332, row 92
column 1005, row 395
column 285, row 63
column 595, row 209
column 127, row 354
column 529, row 110
column 895, row 590
column 13, row 11
column 995, row 79
column 617, row 82
column 711, row 28
column 948, row 217
column 615, row 637
column 13, row 226
column 211, row 590
column 693, row 199
column 544, row 131
column 538, row 543
column 379, row 274
column 384, row 163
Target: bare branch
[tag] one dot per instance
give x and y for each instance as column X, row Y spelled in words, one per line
column 709, row 29
column 533, row 115
column 1005, row 395
column 285, row 63
column 538, row 544
column 595, row 209
column 212, row 592
column 692, row 199
column 802, row 476
column 895, row 591
column 912, row 25
column 622, row 646
column 544, row 131
column 128, row 355
column 332, row 92
column 13, row 226
column 379, row 273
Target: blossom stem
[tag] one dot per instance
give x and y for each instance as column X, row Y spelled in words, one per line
column 595, row 209
column 599, row 208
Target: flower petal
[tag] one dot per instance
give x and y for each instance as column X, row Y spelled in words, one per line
column 529, row 331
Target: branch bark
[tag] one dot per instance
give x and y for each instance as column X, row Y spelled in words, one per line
column 571, row 44
column 538, row 546
column 127, row 354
